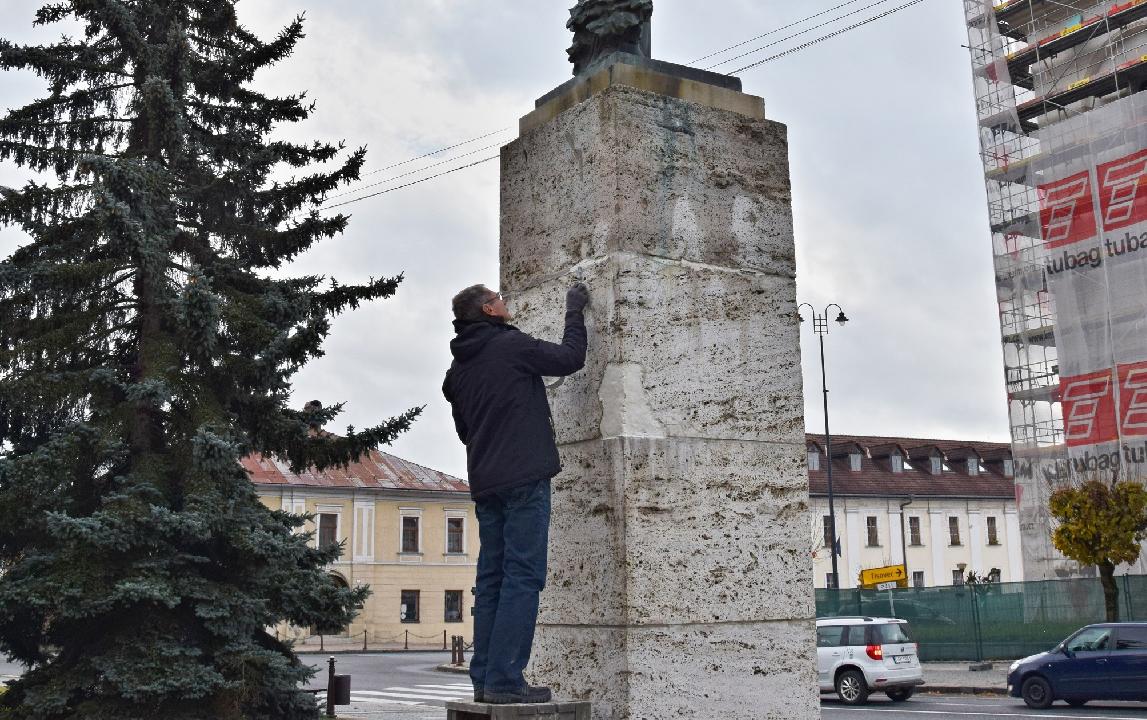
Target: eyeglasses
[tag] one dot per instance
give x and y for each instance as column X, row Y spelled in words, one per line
column 496, row 296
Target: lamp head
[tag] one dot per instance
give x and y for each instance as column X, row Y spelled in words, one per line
column 841, row 319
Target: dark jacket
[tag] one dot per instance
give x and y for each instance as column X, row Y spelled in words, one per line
column 499, row 402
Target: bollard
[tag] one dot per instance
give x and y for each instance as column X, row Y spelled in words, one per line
column 364, row 640
column 338, row 688
column 330, row 684
column 443, row 639
column 406, row 642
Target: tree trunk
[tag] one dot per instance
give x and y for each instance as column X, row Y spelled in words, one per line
column 1110, row 590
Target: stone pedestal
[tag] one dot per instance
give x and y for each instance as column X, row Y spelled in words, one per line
column 680, row 579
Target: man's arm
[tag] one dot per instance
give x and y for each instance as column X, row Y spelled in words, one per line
column 459, row 425
column 552, row 359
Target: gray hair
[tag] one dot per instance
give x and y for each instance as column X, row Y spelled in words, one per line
column 468, row 303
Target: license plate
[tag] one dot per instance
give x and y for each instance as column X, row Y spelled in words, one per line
column 902, row 659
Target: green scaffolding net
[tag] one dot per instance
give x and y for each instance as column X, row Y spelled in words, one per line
column 990, row 622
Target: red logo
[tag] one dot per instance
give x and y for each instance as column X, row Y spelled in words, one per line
column 1122, row 197
column 1133, row 399
column 1088, row 409
column 1067, row 210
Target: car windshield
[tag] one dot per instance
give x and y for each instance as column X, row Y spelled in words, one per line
column 892, row 633
column 1089, row 639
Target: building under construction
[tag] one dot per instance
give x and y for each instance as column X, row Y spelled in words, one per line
column 1064, row 145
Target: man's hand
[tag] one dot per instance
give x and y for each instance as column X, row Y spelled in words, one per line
column 577, row 297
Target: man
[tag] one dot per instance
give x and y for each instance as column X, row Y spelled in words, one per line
column 501, row 413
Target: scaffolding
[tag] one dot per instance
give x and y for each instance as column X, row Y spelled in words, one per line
column 1061, row 120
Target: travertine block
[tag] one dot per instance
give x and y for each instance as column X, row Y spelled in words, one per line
column 680, row 580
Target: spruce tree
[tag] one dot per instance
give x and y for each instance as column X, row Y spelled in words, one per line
column 148, row 336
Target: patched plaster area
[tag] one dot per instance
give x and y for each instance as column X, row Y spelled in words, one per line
column 625, row 410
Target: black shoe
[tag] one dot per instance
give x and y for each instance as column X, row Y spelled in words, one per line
column 528, row 694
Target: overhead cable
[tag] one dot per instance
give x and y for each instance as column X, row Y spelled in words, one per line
column 447, row 161
column 772, row 32
column 436, row 152
column 810, row 43
column 415, row 182
column 797, row 34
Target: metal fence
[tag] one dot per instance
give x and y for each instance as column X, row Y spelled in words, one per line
column 990, row 622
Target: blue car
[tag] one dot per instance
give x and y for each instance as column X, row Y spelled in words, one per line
column 1099, row 662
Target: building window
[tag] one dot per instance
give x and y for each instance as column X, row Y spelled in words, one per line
column 918, row 578
column 953, row 530
column 364, row 531
column 410, row 534
column 873, row 536
column 453, row 606
column 455, row 535
column 1009, row 467
column 854, row 462
column 328, row 529
column 937, row 465
column 914, row 531
column 973, row 466
column 408, row 612
column 993, row 535
column 994, row 575
column 813, row 459
column 957, row 577
column 830, row 581
column 897, row 463
column 828, row 533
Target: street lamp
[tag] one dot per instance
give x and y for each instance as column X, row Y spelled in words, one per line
column 820, row 327
column 903, row 541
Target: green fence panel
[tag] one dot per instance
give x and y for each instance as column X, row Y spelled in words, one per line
column 997, row 621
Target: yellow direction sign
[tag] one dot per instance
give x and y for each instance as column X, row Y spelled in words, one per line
column 889, row 573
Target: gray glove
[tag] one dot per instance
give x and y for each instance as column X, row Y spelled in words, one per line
column 577, row 297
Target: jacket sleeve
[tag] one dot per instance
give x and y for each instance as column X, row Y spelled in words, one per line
column 553, row 360
column 459, row 424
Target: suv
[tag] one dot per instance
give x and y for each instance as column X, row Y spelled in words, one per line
column 1107, row 661
column 859, row 655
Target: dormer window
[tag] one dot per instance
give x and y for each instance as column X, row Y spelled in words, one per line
column 813, row 459
column 897, row 462
column 1009, row 467
column 854, row 461
column 937, row 465
column 973, row 466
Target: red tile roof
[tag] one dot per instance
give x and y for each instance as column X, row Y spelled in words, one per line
column 875, row 477
column 377, row 470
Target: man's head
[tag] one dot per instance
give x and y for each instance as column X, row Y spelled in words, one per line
column 479, row 302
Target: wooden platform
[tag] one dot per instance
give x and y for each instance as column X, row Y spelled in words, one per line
column 538, row 711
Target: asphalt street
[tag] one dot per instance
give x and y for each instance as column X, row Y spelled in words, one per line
column 399, row 681
column 958, row 707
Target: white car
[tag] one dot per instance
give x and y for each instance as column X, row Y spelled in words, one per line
column 856, row 656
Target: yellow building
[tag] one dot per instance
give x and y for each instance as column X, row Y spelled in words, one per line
column 408, row 532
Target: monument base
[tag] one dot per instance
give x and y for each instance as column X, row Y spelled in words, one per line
column 537, row 711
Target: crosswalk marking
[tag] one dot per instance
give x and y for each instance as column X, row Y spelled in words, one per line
column 428, row 695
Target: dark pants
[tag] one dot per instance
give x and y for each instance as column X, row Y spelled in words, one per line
column 514, row 527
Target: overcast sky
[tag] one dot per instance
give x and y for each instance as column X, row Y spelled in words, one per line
column 888, row 191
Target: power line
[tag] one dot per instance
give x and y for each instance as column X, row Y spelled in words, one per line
column 412, row 172
column 772, row 32
column 415, row 182
column 797, row 34
column 436, row 152
column 826, row 37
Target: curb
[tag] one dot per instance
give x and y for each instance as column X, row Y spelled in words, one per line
column 962, row 690
column 456, row 669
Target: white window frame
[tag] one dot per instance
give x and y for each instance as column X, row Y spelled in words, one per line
column 937, row 464
column 813, row 459
column 897, row 462
column 364, row 514
column 297, row 506
column 1009, row 467
column 919, row 531
column 992, row 527
column 405, row 512
column 854, row 461
column 337, row 511
column 973, row 466
column 455, row 514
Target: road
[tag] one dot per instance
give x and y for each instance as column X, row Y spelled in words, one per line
column 399, row 680
column 966, row 707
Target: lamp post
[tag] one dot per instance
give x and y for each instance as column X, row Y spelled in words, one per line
column 904, row 542
column 820, row 327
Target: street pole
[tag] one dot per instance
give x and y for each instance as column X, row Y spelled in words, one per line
column 828, row 462
column 820, row 327
column 904, row 542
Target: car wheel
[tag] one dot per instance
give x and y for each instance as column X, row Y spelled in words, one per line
column 1037, row 693
column 1077, row 702
column 901, row 694
column 851, row 688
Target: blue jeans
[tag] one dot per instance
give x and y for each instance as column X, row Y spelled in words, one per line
column 514, row 528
